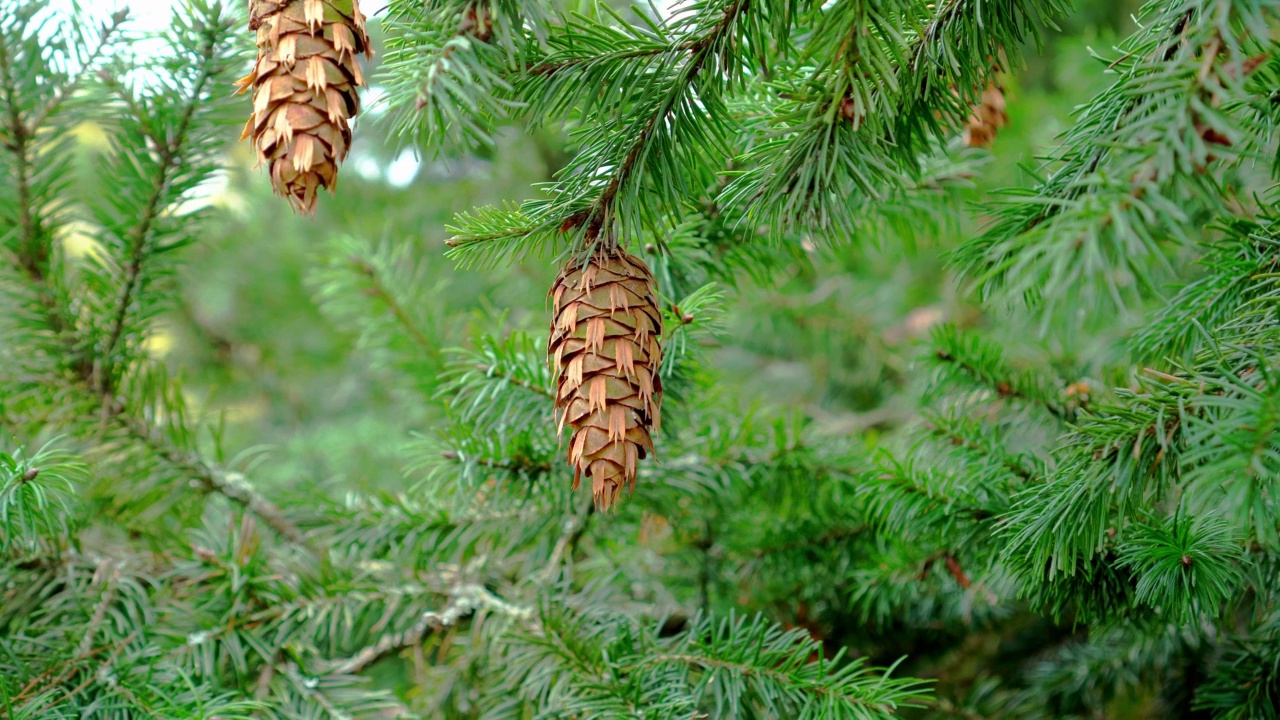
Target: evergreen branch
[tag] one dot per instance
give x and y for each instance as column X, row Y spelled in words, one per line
column 754, row 651
column 1184, row 566
column 463, row 239
column 742, row 664
column 959, row 432
column 386, row 646
column 516, row 465
column 478, row 384
column 1244, row 681
column 1240, row 278
column 36, row 497
column 600, row 192
column 382, row 293
column 467, row 598
column 496, row 371
column 861, row 123
column 111, row 574
column 57, row 674
column 23, row 133
column 902, row 498
column 232, row 485
column 699, row 51
column 830, row 537
column 1135, row 173
column 488, row 235
column 551, row 67
column 981, row 362
column 453, row 76
column 64, row 92
column 378, row 289
column 211, row 477
column 752, row 670
column 19, row 135
column 449, row 65
column 573, row 530
column 170, row 150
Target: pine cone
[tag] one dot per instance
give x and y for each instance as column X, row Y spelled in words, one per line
column 988, row 117
column 304, row 94
column 604, row 344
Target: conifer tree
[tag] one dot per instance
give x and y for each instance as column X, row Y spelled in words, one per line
column 1064, row 505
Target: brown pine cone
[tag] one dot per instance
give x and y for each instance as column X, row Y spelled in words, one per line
column 304, row 91
column 604, row 345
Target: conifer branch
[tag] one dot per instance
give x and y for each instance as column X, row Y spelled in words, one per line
column 213, row 479
column 100, row 377
column 105, row 35
column 17, row 144
column 386, row 646
column 22, row 132
column 515, row 464
column 954, row 432
column 463, row 600
column 1122, row 526
column 496, row 371
column 982, row 363
column 899, row 492
column 170, row 150
column 378, row 289
column 573, row 530
column 1137, row 171
column 751, row 670
column 699, row 51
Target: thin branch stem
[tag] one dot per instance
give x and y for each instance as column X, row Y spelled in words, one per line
column 380, row 291
column 463, row 600
column 960, row 440
column 18, row 145
column 170, row 152
column 108, row 29
column 496, row 371
column 212, row 478
column 746, row 670
column 101, row 380
column 699, row 51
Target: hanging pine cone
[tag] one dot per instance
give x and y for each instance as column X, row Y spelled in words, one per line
column 304, row 93
column 988, row 117
column 604, row 345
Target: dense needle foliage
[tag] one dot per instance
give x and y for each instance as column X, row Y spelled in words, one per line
column 948, row 431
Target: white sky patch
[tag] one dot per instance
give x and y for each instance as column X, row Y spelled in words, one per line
column 147, row 15
column 155, row 14
column 364, row 165
column 403, row 169
column 666, row 7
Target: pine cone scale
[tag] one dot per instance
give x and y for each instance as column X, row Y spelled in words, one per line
column 604, row 345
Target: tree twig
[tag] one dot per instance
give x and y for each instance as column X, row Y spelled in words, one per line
column 464, row 599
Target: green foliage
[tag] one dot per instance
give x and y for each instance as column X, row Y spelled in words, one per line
column 255, row 465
